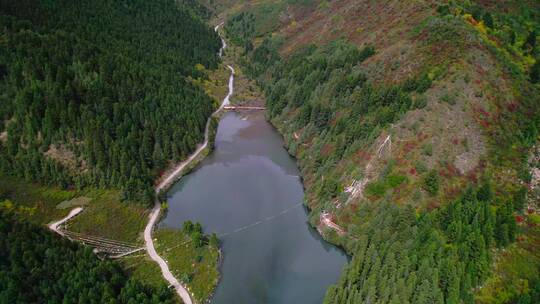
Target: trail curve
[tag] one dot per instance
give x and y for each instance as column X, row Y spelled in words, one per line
column 55, row 226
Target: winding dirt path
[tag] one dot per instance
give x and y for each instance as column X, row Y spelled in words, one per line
column 167, row 181
column 55, row 226
column 174, row 174
column 181, row 290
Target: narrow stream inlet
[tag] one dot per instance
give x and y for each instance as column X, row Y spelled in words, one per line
column 248, row 190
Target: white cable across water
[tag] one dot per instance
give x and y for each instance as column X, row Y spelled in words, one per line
column 243, row 228
column 265, row 220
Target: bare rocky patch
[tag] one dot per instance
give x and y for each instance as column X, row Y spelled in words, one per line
column 3, row 136
column 66, row 157
column 534, row 186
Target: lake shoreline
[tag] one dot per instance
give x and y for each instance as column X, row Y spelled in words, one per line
column 224, row 212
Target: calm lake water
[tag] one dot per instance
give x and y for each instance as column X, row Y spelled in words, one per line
column 250, row 181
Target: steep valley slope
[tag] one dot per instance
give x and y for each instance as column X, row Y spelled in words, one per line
column 414, row 124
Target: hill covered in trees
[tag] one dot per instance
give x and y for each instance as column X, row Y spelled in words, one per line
column 37, row 267
column 414, row 124
column 96, row 93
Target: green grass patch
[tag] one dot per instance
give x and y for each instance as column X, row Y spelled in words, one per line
column 104, row 214
column 395, row 180
column 142, row 268
column 108, row 217
column 76, row 202
column 376, row 189
column 391, row 181
column 534, row 219
column 195, row 267
column 40, row 202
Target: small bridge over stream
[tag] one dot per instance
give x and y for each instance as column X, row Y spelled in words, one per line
column 241, row 108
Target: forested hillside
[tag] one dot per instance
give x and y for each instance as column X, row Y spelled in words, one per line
column 414, row 126
column 95, row 93
column 36, row 265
